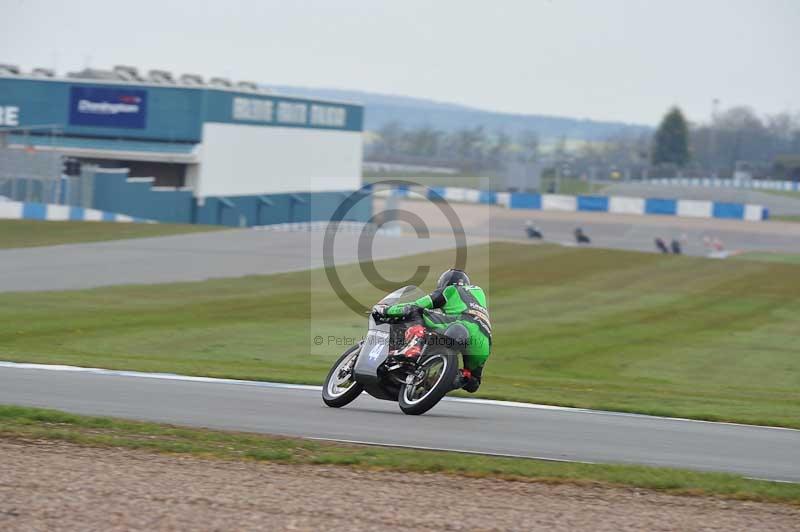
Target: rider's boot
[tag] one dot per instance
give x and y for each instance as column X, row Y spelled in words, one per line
column 468, row 380
column 462, row 378
column 472, row 384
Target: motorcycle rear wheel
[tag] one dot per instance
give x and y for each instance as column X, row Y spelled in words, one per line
column 440, row 368
column 334, row 394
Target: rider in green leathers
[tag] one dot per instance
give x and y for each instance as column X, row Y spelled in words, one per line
column 459, row 302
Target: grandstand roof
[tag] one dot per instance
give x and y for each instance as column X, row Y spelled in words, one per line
column 129, row 75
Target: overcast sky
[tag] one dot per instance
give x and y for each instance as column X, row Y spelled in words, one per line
column 601, row 59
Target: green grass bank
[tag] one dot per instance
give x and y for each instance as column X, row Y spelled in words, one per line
column 675, row 336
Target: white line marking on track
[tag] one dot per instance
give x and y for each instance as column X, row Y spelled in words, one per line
column 309, row 387
column 161, row 376
column 445, row 449
column 499, row 455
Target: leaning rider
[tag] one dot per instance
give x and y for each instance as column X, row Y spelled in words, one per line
column 457, row 301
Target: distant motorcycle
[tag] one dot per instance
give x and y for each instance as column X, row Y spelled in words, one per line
column 372, row 365
column 533, row 232
column 581, row 237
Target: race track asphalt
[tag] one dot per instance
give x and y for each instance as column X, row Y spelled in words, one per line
column 194, row 257
column 456, row 424
column 614, row 231
column 239, row 252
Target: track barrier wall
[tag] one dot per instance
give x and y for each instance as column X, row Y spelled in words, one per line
column 16, row 210
column 612, row 204
column 119, row 198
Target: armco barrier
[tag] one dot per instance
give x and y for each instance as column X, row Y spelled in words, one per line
column 733, row 211
column 707, row 182
column 15, row 210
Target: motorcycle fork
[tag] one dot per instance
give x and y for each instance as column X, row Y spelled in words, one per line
column 414, row 375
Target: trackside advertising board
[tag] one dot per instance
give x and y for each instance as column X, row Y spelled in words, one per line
column 108, row 107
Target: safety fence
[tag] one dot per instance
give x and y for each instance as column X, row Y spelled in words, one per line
column 710, row 182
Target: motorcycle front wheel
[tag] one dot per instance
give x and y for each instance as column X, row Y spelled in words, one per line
column 340, row 387
column 430, row 383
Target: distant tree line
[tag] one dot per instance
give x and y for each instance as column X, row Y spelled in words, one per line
column 739, row 137
column 468, row 149
column 736, row 138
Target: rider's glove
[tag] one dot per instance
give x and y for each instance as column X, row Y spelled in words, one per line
column 379, row 311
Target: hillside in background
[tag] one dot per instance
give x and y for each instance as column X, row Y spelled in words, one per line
column 382, row 109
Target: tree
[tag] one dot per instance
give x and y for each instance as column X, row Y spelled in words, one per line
column 672, row 140
column 424, row 141
column 391, row 138
column 499, row 149
column 529, row 143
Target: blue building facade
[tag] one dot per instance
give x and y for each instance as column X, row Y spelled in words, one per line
column 154, row 150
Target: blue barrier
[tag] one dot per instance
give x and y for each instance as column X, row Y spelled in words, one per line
column 661, row 206
column 728, row 210
column 657, row 206
column 523, row 200
column 76, row 213
column 487, row 196
column 34, row 211
column 16, row 210
column 593, row 203
column 436, row 193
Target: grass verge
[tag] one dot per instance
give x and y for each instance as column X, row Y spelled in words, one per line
column 785, row 218
column 33, row 423
column 785, row 193
column 786, row 258
column 33, row 233
column 592, row 328
column 572, row 186
column 439, row 180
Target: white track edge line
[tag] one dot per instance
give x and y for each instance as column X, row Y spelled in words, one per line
column 506, row 455
column 266, row 384
column 449, row 450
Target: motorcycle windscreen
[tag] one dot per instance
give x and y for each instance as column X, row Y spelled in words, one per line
column 406, row 294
